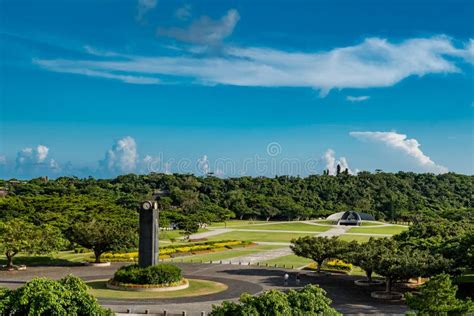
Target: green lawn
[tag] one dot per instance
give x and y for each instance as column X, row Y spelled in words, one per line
column 293, row 226
column 370, row 223
column 58, row 259
column 324, row 222
column 224, row 255
column 287, row 261
column 196, row 287
column 379, row 230
column 237, row 222
column 166, row 235
column 258, row 236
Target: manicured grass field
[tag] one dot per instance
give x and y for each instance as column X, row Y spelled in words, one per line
column 258, row 236
column 378, row 230
column 237, row 222
column 224, row 255
column 196, row 287
column 288, row 261
column 370, row 223
column 59, row 259
column 293, row 226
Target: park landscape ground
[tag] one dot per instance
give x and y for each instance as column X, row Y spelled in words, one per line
column 269, row 252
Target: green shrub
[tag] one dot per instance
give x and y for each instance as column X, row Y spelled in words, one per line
column 158, row 274
column 42, row 296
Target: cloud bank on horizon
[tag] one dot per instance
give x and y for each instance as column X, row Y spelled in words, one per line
column 401, row 143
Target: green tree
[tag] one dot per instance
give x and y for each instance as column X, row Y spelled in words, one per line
column 366, row 256
column 309, row 301
column 102, row 235
column 438, row 297
column 42, row 296
column 319, row 249
column 19, row 236
column 398, row 263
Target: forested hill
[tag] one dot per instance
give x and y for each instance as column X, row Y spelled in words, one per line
column 385, row 195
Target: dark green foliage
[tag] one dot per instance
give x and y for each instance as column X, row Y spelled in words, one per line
column 438, row 297
column 398, row 263
column 19, row 236
column 366, row 256
column 399, row 196
column 102, row 235
column 453, row 240
column 309, row 301
column 42, row 296
column 159, row 274
column 319, row 249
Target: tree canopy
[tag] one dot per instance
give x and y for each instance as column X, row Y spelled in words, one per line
column 42, row 296
column 309, row 301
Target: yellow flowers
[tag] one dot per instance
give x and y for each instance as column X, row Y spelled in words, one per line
column 177, row 250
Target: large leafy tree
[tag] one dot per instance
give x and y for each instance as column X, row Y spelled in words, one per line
column 366, row 256
column 102, row 235
column 438, row 297
column 19, row 236
column 309, row 301
column 398, row 263
column 319, row 249
column 42, row 296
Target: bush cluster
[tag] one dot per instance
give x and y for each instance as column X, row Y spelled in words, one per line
column 177, row 250
column 160, row 274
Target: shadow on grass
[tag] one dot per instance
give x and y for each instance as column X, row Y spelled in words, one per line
column 38, row 261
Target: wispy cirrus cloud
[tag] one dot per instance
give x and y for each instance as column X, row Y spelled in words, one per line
column 373, row 63
column 203, row 31
column 361, row 98
column 183, row 13
column 408, row 146
column 143, row 7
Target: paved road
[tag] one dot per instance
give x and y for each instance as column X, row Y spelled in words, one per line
column 260, row 256
column 347, row 298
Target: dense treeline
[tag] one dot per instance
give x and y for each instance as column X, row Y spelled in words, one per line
column 388, row 196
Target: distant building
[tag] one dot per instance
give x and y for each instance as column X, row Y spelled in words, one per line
column 352, row 218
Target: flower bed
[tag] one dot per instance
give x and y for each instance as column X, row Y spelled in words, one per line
column 180, row 250
column 335, row 265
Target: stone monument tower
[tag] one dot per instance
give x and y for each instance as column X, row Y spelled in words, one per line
column 148, row 250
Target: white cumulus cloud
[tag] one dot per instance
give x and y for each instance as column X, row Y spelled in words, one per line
column 203, row 165
column 35, row 162
column 400, row 142
column 331, row 162
column 122, row 157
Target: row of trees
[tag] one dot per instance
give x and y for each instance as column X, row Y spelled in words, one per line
column 426, row 249
column 390, row 196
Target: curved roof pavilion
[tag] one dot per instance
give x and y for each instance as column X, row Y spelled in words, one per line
column 350, row 218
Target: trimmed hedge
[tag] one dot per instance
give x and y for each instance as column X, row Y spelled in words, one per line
column 160, row 274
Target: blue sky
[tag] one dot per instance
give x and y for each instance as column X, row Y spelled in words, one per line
column 235, row 87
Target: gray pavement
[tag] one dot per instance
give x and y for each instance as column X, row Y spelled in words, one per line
column 347, row 297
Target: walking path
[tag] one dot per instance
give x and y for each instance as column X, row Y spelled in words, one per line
column 260, row 256
column 336, row 231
